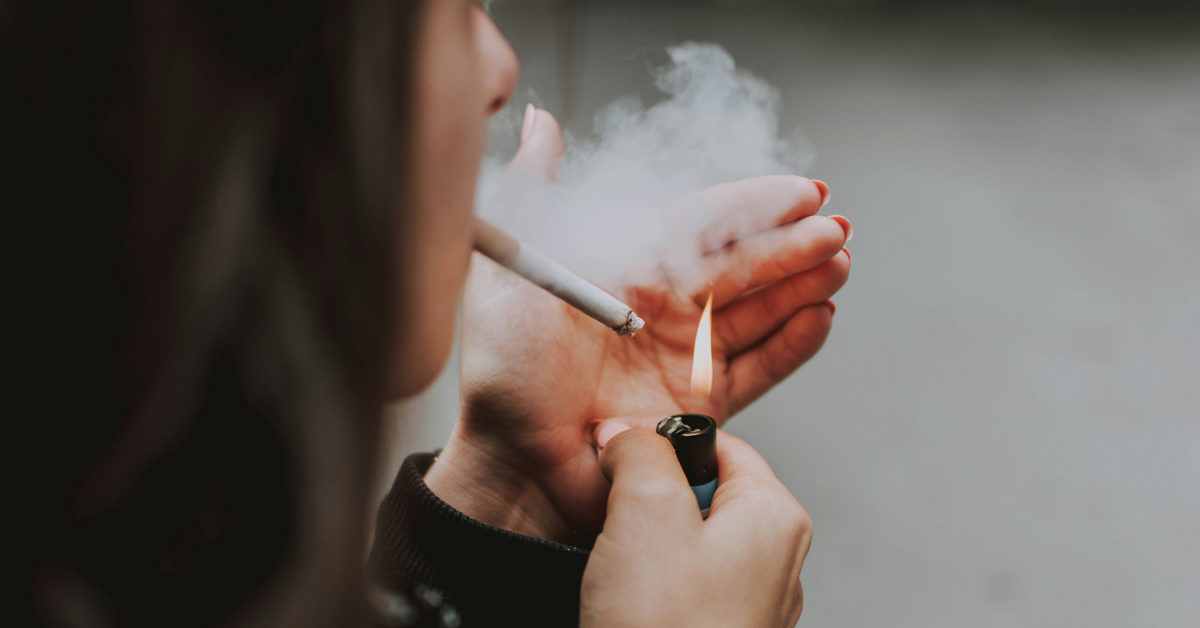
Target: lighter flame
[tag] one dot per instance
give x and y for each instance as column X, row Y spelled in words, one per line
column 702, row 358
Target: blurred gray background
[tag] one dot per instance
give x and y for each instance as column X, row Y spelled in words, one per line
column 1002, row 429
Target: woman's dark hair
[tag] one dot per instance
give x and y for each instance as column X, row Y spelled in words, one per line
column 207, row 199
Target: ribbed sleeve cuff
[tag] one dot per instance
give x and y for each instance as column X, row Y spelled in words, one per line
column 492, row 576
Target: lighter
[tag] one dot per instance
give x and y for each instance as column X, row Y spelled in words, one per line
column 694, row 438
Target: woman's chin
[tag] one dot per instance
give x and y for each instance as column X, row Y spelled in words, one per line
column 418, row 365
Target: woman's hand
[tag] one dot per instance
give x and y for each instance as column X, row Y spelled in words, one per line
column 537, row 375
column 658, row 564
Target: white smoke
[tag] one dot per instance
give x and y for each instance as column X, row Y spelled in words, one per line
column 613, row 203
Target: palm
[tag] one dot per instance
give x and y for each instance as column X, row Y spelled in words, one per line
column 537, row 375
column 540, row 360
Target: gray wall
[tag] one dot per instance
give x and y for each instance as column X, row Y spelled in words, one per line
column 1002, row 429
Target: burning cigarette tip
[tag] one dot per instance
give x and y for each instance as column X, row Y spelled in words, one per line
column 555, row 279
column 631, row 327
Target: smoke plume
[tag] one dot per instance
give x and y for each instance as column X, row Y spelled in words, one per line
column 616, row 200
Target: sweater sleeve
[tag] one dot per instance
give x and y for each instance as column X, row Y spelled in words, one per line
column 492, row 577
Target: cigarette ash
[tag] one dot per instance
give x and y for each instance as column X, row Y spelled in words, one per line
column 611, row 210
column 631, row 326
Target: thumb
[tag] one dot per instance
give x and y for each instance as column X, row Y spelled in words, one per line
column 541, row 146
column 647, row 482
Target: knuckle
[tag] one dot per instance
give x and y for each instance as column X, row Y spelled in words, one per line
column 792, row 517
column 804, row 525
column 797, row 517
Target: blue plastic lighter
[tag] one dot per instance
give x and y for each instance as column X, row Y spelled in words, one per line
column 694, row 438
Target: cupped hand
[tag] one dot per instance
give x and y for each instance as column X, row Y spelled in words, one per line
column 538, row 376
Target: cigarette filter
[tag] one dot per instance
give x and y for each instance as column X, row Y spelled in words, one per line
column 694, row 438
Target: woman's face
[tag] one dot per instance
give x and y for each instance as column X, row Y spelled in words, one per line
column 466, row 71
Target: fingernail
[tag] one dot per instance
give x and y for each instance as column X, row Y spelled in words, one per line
column 824, row 190
column 607, row 430
column 832, row 307
column 528, row 122
column 847, row 252
column 846, row 226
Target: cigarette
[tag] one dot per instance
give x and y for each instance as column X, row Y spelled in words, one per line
column 562, row 283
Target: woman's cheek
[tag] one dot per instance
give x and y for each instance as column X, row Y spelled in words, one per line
column 451, row 116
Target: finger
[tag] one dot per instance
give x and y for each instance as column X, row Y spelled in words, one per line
column 748, row 320
column 541, row 148
column 737, row 461
column 736, row 210
column 648, row 485
column 745, row 477
column 758, row 369
column 604, row 430
column 763, row 258
column 751, row 502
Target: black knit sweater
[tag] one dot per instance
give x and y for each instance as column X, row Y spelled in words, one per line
column 493, row 577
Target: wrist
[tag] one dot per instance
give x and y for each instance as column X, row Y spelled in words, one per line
column 485, row 486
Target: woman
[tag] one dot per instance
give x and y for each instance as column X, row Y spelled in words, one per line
column 266, row 208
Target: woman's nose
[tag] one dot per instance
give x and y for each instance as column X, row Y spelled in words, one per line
column 499, row 63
